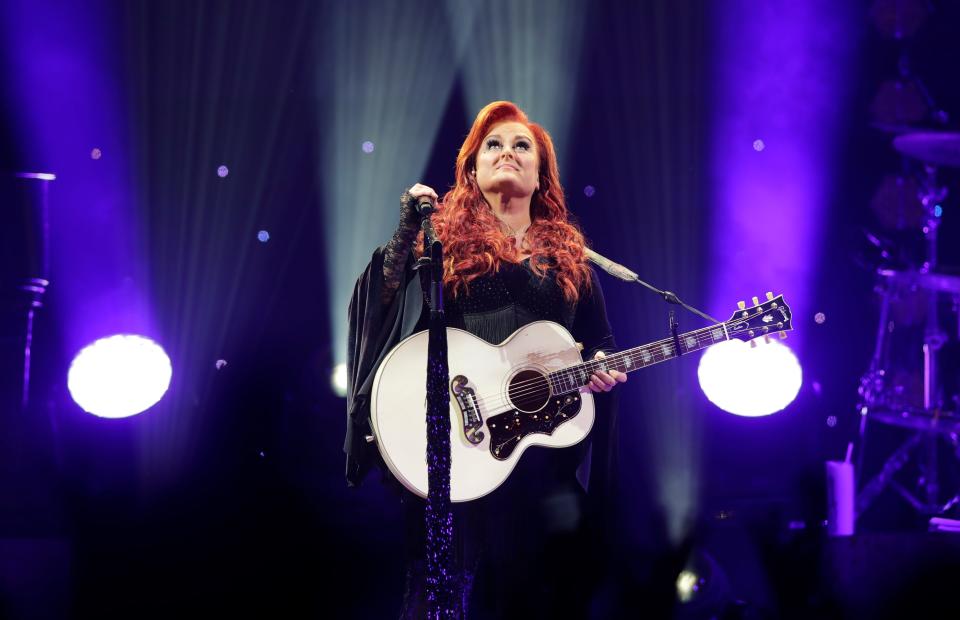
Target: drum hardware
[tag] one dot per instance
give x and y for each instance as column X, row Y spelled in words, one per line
column 916, row 297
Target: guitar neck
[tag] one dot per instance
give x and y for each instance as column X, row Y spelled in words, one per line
column 574, row 377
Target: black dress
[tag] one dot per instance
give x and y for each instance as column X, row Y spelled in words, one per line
column 520, row 548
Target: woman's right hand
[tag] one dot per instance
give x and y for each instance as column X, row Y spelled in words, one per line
column 409, row 216
column 419, row 190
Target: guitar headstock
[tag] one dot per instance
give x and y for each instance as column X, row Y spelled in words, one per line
column 760, row 319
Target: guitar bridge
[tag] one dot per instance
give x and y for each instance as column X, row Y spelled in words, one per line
column 469, row 409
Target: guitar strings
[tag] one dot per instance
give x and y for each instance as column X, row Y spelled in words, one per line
column 529, row 387
column 557, row 387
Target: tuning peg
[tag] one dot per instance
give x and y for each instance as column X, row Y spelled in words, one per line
column 766, row 339
column 756, row 302
column 769, row 296
column 783, row 335
column 753, row 344
column 742, row 305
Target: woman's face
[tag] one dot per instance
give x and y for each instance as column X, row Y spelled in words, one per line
column 508, row 161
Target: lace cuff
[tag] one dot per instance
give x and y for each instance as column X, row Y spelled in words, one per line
column 398, row 248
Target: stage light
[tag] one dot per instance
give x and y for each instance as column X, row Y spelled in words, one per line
column 529, row 63
column 119, row 376
column 589, row 191
column 750, row 381
column 223, row 171
column 703, row 589
column 263, row 236
column 771, row 84
column 390, row 105
column 338, row 380
column 688, row 583
column 96, row 154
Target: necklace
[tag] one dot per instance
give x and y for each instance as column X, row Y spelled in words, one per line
column 519, row 235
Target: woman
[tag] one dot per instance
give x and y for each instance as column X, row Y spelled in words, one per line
column 511, row 257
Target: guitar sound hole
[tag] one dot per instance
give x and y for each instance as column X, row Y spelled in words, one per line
column 529, row 391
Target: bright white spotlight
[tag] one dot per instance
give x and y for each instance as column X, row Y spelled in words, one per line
column 338, row 380
column 119, row 376
column 750, row 381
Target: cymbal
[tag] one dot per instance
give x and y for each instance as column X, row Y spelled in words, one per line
column 941, row 148
column 918, row 418
column 894, row 127
column 931, row 281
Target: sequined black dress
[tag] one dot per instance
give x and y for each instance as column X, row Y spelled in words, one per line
column 514, row 545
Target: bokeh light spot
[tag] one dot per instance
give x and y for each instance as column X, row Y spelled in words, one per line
column 96, row 154
column 263, row 236
column 223, row 171
column 367, row 147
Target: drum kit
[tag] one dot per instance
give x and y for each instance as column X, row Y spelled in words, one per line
column 913, row 379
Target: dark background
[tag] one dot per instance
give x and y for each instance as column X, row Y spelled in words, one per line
column 257, row 518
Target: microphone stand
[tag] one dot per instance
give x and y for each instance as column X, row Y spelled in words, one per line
column 442, row 602
column 619, row 271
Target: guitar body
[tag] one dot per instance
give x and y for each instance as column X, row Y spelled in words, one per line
column 501, row 403
column 523, row 392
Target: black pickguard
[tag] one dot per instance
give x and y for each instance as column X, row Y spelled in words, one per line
column 508, row 428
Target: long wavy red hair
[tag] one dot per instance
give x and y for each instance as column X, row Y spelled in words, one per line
column 473, row 241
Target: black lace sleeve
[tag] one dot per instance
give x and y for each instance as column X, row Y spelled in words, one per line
column 590, row 324
column 398, row 248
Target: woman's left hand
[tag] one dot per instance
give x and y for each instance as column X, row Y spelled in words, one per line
column 604, row 381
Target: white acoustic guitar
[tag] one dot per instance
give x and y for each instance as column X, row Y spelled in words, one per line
column 523, row 392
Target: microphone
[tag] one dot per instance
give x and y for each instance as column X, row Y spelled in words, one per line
column 425, row 206
column 615, row 269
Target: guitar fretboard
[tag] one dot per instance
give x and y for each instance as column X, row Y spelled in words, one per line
column 574, row 377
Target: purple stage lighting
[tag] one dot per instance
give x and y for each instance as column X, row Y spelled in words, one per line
column 263, row 236
column 96, row 154
column 750, row 381
column 119, row 376
column 782, row 72
column 782, row 76
column 589, row 191
column 223, row 171
column 367, row 147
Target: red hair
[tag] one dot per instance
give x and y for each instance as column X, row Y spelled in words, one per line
column 473, row 242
